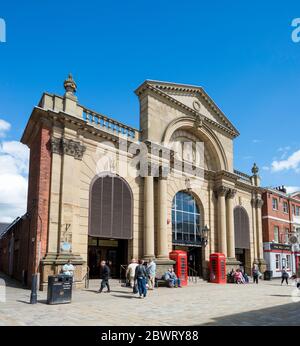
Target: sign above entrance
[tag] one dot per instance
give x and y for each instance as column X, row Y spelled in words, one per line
column 284, row 247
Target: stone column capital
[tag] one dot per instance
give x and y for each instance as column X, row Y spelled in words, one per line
column 221, row 191
column 231, row 193
column 259, row 202
column 67, row 147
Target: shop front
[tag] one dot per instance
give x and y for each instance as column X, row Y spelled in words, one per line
column 278, row 256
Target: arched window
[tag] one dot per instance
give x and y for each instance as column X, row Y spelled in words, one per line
column 241, row 228
column 185, row 220
column 110, row 208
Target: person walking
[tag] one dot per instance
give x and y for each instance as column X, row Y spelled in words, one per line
column 141, row 277
column 255, row 273
column 130, row 272
column 284, row 276
column 151, row 271
column 104, row 276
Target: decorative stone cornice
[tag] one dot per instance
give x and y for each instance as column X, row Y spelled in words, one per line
column 67, row 147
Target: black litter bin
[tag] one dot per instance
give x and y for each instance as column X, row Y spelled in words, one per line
column 268, row 275
column 59, row 289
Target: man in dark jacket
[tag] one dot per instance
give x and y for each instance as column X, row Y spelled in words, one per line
column 104, row 276
column 141, row 278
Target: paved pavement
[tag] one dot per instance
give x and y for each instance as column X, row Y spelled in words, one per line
column 198, row 304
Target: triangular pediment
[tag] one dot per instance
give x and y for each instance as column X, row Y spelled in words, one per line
column 196, row 99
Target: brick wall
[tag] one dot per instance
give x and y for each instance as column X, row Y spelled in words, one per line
column 272, row 218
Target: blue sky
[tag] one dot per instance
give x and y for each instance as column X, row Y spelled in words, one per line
column 240, row 52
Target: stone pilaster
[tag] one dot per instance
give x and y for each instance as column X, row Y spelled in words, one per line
column 221, row 192
column 230, row 224
column 253, row 206
column 260, row 254
column 148, row 218
column 163, row 261
column 162, row 241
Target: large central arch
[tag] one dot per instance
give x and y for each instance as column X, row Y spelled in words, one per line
column 211, row 142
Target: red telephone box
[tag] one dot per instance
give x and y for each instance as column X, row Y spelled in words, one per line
column 217, row 268
column 181, row 267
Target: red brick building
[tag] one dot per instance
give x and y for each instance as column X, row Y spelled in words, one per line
column 281, row 230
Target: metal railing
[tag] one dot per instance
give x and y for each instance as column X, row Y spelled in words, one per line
column 103, row 122
column 86, row 278
column 193, row 275
column 123, row 268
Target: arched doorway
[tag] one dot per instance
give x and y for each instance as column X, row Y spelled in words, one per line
column 242, row 237
column 186, row 228
column 110, row 223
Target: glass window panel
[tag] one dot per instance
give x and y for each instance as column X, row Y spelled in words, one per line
column 185, row 200
column 179, row 201
column 191, row 205
column 191, row 228
column 185, row 217
column 185, row 227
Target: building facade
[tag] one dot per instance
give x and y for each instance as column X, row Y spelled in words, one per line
column 99, row 189
column 281, row 230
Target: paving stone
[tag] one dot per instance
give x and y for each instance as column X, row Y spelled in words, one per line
column 199, row 304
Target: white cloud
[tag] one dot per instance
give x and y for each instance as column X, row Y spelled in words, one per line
column 265, row 168
column 256, row 141
column 292, row 189
column 287, row 148
column 4, row 127
column 292, row 162
column 14, row 158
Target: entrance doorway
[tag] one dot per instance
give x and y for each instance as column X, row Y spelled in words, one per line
column 240, row 255
column 113, row 251
column 194, row 257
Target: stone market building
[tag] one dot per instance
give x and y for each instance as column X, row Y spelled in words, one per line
column 99, row 189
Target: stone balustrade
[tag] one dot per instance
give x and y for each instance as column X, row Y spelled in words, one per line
column 102, row 122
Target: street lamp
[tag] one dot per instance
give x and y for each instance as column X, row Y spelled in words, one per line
column 204, row 235
column 35, row 275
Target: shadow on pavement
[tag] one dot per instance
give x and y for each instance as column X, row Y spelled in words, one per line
column 282, row 315
column 126, row 297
